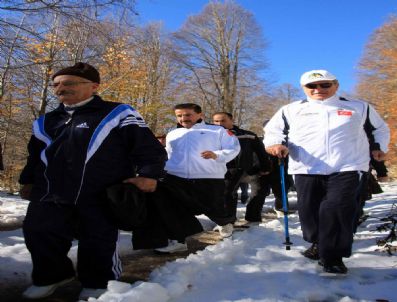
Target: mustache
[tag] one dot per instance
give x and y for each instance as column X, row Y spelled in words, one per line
column 64, row 92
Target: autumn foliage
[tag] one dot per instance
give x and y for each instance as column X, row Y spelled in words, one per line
column 216, row 59
column 378, row 81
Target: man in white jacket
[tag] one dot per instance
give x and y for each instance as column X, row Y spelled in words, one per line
column 329, row 140
column 197, row 157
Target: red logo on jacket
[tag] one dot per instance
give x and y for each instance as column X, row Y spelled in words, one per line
column 345, row 112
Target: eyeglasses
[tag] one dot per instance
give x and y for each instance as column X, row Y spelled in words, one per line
column 322, row 85
column 68, row 84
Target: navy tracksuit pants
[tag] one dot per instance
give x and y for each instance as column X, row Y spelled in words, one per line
column 327, row 206
column 49, row 230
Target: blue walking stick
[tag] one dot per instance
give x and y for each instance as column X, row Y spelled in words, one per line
column 285, row 204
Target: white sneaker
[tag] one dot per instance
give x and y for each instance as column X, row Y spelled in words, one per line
column 226, row 230
column 91, row 293
column 217, row 228
column 172, row 247
column 37, row 292
column 279, row 213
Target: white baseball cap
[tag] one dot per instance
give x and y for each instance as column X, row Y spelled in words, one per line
column 316, row 76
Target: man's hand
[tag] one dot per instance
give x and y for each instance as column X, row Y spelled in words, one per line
column 25, row 190
column 378, row 155
column 262, row 173
column 208, row 155
column 280, row 151
column 383, row 179
column 143, row 183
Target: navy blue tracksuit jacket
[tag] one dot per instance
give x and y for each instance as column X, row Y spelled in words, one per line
column 72, row 160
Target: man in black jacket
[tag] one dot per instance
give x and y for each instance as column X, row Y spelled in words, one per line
column 76, row 151
column 252, row 164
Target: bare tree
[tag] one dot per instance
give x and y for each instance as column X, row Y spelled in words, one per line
column 155, row 52
column 36, row 38
column 285, row 94
column 221, row 50
column 72, row 9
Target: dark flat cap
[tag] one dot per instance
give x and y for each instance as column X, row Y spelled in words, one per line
column 82, row 70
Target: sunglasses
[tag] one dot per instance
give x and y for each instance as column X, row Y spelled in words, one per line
column 322, row 85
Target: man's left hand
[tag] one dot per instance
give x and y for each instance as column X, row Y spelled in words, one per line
column 208, row 155
column 378, row 155
column 143, row 183
column 262, row 173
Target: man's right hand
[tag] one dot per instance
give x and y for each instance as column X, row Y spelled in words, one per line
column 383, row 179
column 144, row 184
column 25, row 190
column 279, row 151
column 208, row 155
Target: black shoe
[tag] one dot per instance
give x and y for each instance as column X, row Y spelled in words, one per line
column 312, row 252
column 335, row 266
column 362, row 218
column 278, row 204
column 253, row 218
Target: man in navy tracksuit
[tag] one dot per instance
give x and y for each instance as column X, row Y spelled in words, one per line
column 325, row 137
column 76, row 152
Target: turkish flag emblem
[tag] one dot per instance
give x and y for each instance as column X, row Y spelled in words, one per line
column 345, row 112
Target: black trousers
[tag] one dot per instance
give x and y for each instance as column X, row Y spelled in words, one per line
column 260, row 188
column 244, row 191
column 169, row 217
column 49, row 230
column 203, row 196
column 327, row 206
column 233, row 179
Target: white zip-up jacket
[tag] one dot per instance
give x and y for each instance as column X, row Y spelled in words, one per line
column 324, row 137
column 184, row 147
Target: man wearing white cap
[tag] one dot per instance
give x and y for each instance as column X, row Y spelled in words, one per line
column 328, row 139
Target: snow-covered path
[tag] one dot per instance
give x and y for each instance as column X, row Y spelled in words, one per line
column 251, row 266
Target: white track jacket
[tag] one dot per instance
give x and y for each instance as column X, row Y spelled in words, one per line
column 324, row 137
column 184, row 147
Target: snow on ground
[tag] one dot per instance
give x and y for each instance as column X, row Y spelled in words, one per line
column 250, row 266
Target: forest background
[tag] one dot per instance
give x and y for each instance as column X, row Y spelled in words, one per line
column 216, row 59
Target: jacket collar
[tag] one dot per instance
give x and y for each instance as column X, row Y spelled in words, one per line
column 332, row 98
column 235, row 128
column 94, row 103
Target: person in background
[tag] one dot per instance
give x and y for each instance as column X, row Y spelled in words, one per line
column 75, row 152
column 369, row 186
column 274, row 179
column 251, row 165
column 380, row 169
column 328, row 147
column 244, row 186
column 197, row 157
